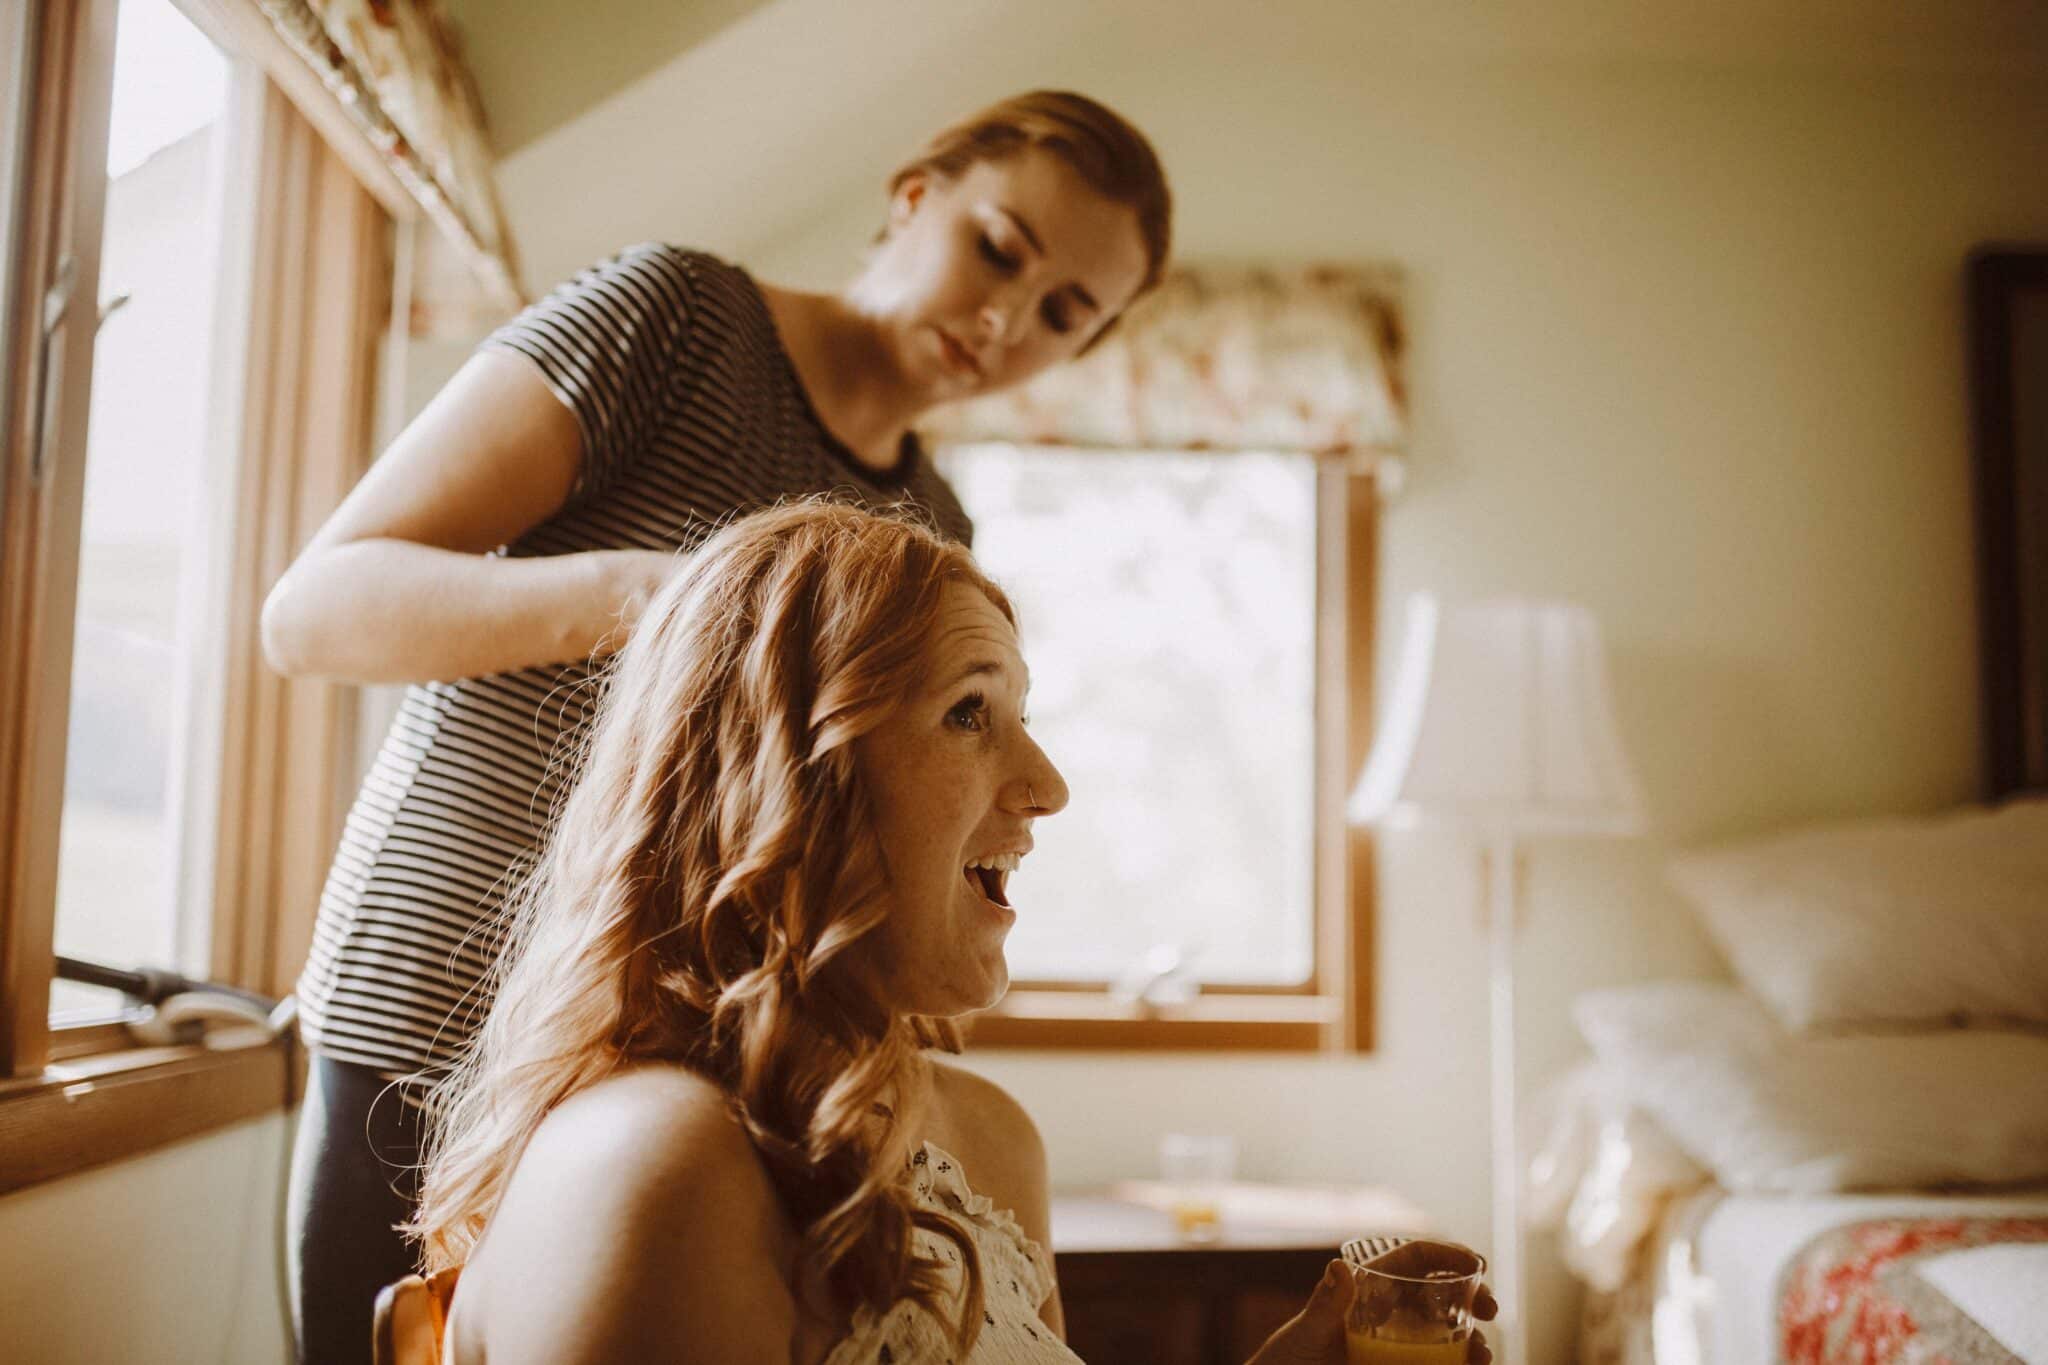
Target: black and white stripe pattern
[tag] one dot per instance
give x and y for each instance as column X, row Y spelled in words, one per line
column 690, row 410
column 1366, row 1250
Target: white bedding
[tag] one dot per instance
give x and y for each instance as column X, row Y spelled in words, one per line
column 1719, row 1258
column 2005, row 1288
column 1777, row 1256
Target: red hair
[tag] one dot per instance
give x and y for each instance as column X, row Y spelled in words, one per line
column 705, row 883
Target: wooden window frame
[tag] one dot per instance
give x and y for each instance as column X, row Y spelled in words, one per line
column 106, row 1106
column 75, row 1095
column 1333, row 1010
column 61, row 183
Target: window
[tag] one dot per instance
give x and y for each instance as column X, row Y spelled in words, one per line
column 132, row 882
column 1167, row 608
column 1185, row 615
column 193, row 278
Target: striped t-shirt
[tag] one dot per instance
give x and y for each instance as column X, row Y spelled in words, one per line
column 690, row 410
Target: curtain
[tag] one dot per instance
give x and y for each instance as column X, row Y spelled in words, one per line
column 394, row 67
column 1222, row 357
column 319, row 302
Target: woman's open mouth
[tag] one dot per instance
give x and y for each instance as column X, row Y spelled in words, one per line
column 990, row 877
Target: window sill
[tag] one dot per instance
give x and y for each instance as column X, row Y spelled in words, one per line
column 1088, row 1020
column 87, row 1111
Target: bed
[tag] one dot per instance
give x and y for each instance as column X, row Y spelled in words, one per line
column 1842, row 1154
column 1734, row 1191
column 1867, row 1277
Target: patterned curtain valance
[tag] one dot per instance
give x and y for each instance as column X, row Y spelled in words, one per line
column 394, row 66
column 1222, row 358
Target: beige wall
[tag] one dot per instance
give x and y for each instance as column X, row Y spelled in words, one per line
column 166, row 1257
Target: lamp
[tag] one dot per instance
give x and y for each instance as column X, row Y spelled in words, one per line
column 1500, row 727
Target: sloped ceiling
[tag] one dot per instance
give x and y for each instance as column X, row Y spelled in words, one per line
column 735, row 123
column 794, row 105
column 540, row 63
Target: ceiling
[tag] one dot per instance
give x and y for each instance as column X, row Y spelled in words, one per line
column 739, row 124
column 540, row 63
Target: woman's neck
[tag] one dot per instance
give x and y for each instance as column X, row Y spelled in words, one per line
column 848, row 372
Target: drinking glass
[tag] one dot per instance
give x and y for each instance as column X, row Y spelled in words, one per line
column 1195, row 1167
column 1414, row 1303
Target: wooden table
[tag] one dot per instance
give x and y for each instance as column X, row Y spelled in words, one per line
column 1135, row 1290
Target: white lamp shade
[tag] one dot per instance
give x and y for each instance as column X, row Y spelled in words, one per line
column 1501, row 721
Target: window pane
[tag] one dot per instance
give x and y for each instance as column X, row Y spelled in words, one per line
column 15, row 30
column 142, row 550
column 1167, row 608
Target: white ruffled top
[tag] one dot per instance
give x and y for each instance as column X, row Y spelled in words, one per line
column 1016, row 1276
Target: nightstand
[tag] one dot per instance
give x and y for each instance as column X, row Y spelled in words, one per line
column 1135, row 1290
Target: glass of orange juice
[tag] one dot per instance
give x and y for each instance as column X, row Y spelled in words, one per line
column 1196, row 1169
column 1414, row 1303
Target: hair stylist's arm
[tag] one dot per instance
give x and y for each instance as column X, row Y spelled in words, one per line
column 638, row 1227
column 399, row 585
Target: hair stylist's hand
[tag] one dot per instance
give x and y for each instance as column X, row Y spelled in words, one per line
column 636, row 576
column 1315, row 1335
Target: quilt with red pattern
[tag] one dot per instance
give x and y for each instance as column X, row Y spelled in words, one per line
column 1861, row 1293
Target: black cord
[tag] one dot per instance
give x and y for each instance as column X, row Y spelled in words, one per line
column 150, row 985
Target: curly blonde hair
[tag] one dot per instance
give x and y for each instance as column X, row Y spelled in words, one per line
column 703, row 889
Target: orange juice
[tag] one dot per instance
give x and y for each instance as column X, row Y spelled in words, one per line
column 1196, row 1219
column 1360, row 1349
column 1414, row 1303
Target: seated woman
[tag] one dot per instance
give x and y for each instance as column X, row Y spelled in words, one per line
column 701, row 1123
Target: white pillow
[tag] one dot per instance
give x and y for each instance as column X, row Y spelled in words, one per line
column 1935, row 919
column 1772, row 1112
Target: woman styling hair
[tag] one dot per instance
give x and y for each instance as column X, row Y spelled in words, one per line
column 513, row 534
column 699, row 1123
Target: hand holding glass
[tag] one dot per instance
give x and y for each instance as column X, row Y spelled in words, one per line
column 1415, row 1305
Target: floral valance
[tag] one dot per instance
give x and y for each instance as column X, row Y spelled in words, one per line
column 394, row 67
column 1239, row 357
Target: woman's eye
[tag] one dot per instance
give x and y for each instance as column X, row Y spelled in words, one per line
column 1056, row 317
column 969, row 713
column 995, row 256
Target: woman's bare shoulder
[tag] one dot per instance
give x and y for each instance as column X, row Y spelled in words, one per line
column 638, row 1185
column 639, row 1140
column 647, row 1093
column 965, row 1099
column 994, row 1137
